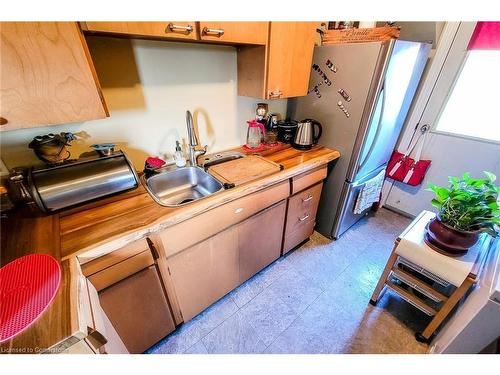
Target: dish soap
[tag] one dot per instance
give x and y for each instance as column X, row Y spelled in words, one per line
column 180, row 161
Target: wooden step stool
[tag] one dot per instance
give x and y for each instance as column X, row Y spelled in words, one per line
column 423, row 276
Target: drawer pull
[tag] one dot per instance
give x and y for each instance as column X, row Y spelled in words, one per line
column 238, row 210
column 217, row 32
column 173, row 28
column 275, row 94
column 303, row 218
column 307, row 199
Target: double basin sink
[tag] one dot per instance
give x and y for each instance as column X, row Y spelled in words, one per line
column 184, row 185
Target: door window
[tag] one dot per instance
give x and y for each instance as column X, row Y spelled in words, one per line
column 472, row 108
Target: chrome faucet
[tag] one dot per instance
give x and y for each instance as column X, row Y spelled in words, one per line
column 193, row 141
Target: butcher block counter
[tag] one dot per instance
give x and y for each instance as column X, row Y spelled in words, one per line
column 101, row 227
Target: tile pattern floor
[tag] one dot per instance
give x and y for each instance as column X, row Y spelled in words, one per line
column 314, row 300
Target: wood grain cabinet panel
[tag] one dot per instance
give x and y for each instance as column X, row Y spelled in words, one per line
column 138, row 309
column 291, row 46
column 235, row 32
column 259, row 240
column 183, row 30
column 280, row 69
column 301, row 216
column 205, row 272
column 47, row 76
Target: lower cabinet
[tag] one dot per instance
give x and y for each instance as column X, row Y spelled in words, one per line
column 205, row 272
column 132, row 295
column 259, row 240
column 301, row 216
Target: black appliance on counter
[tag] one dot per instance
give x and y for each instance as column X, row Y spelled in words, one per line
column 286, row 130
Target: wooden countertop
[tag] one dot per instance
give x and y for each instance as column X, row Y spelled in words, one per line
column 108, row 225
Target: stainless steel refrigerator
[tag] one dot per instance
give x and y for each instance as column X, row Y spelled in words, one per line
column 361, row 94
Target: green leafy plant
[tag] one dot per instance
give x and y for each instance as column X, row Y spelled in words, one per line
column 469, row 204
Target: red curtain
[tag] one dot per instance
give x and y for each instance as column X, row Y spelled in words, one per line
column 486, row 36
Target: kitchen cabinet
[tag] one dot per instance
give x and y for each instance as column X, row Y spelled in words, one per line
column 280, row 69
column 301, row 216
column 235, row 32
column 132, row 295
column 47, row 76
column 205, row 272
column 259, row 240
column 182, row 30
column 114, row 344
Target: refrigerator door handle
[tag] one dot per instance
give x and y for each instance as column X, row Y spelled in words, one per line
column 377, row 132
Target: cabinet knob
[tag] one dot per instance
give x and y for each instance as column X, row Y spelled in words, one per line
column 3, row 121
column 173, row 28
column 216, row 32
column 275, row 94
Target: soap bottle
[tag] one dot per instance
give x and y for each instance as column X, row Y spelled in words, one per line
column 180, row 161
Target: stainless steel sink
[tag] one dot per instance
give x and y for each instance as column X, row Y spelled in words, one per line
column 181, row 186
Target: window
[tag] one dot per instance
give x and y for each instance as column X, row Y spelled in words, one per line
column 473, row 106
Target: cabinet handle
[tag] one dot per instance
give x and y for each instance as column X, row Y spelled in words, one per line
column 173, row 28
column 3, row 121
column 275, row 94
column 303, row 218
column 96, row 338
column 307, row 199
column 217, row 32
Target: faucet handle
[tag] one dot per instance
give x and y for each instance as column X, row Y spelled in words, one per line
column 203, row 151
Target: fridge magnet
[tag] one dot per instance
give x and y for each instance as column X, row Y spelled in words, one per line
column 343, row 108
column 322, row 74
column 315, row 89
column 330, row 66
column 345, row 95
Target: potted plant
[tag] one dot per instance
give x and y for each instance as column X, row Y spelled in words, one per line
column 467, row 208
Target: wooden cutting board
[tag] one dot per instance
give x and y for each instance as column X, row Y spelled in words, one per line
column 240, row 171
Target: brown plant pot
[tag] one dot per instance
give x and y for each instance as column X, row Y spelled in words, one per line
column 441, row 236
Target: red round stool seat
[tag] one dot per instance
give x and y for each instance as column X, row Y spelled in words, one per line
column 27, row 287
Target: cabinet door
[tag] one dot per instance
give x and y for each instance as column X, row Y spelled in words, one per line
column 114, row 344
column 291, row 46
column 235, row 32
column 165, row 29
column 47, row 76
column 205, row 272
column 259, row 240
column 138, row 309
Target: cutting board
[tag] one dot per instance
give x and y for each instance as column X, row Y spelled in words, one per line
column 240, row 171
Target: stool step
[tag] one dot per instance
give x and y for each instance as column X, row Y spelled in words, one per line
column 418, row 285
column 411, row 299
column 423, row 271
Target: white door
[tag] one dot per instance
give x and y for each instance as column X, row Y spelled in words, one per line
column 463, row 111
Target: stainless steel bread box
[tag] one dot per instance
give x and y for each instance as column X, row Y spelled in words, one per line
column 57, row 187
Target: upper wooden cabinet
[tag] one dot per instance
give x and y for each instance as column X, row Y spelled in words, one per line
column 47, row 76
column 235, row 32
column 291, row 46
column 186, row 30
column 280, row 69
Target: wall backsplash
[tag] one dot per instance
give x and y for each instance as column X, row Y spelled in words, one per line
column 148, row 86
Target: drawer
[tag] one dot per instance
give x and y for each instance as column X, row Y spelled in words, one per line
column 304, row 180
column 301, row 233
column 207, row 224
column 235, row 32
column 121, row 270
column 302, row 207
column 93, row 263
column 165, row 29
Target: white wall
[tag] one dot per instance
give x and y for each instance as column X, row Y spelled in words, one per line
column 148, row 86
